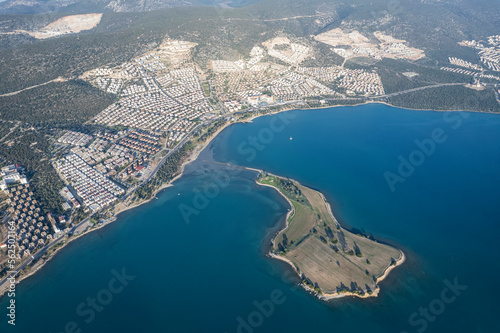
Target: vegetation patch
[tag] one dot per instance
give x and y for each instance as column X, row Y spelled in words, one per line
column 330, row 259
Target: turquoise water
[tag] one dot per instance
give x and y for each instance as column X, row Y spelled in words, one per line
column 196, row 260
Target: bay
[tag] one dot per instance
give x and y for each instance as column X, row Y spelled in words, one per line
column 197, row 253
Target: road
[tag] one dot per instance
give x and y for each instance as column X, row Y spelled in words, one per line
column 417, row 89
column 176, row 148
column 164, row 158
column 59, row 79
column 180, row 144
column 41, row 252
column 497, row 95
column 34, row 257
column 11, row 130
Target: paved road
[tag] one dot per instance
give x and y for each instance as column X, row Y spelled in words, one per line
column 177, row 147
column 42, row 251
column 164, row 158
column 419, row 88
column 497, row 95
column 34, row 257
column 494, row 85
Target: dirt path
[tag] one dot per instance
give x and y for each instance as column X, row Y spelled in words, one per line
column 11, row 130
column 59, row 79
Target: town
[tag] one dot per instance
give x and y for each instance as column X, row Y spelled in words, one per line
column 488, row 53
column 163, row 98
column 354, row 44
column 32, row 230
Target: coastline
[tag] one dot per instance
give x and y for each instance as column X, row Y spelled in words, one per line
column 326, row 297
column 193, row 155
column 367, row 102
column 200, row 147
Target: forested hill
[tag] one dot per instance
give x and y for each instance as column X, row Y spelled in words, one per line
column 230, row 33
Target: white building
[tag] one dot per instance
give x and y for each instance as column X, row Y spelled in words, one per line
column 257, row 100
column 9, row 175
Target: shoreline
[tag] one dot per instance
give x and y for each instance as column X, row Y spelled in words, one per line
column 192, row 157
column 326, row 297
column 367, row 102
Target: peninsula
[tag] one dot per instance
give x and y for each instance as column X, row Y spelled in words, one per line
column 100, row 110
column 331, row 261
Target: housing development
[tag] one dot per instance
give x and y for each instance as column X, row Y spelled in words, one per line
column 354, row 44
column 249, row 166
column 163, row 98
column 487, row 68
column 95, row 190
column 100, row 172
column 27, row 226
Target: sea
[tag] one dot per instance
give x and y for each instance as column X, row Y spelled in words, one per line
column 194, row 258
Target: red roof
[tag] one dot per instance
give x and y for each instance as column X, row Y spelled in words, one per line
column 140, row 167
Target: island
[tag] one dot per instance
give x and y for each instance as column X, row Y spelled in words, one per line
column 331, row 261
